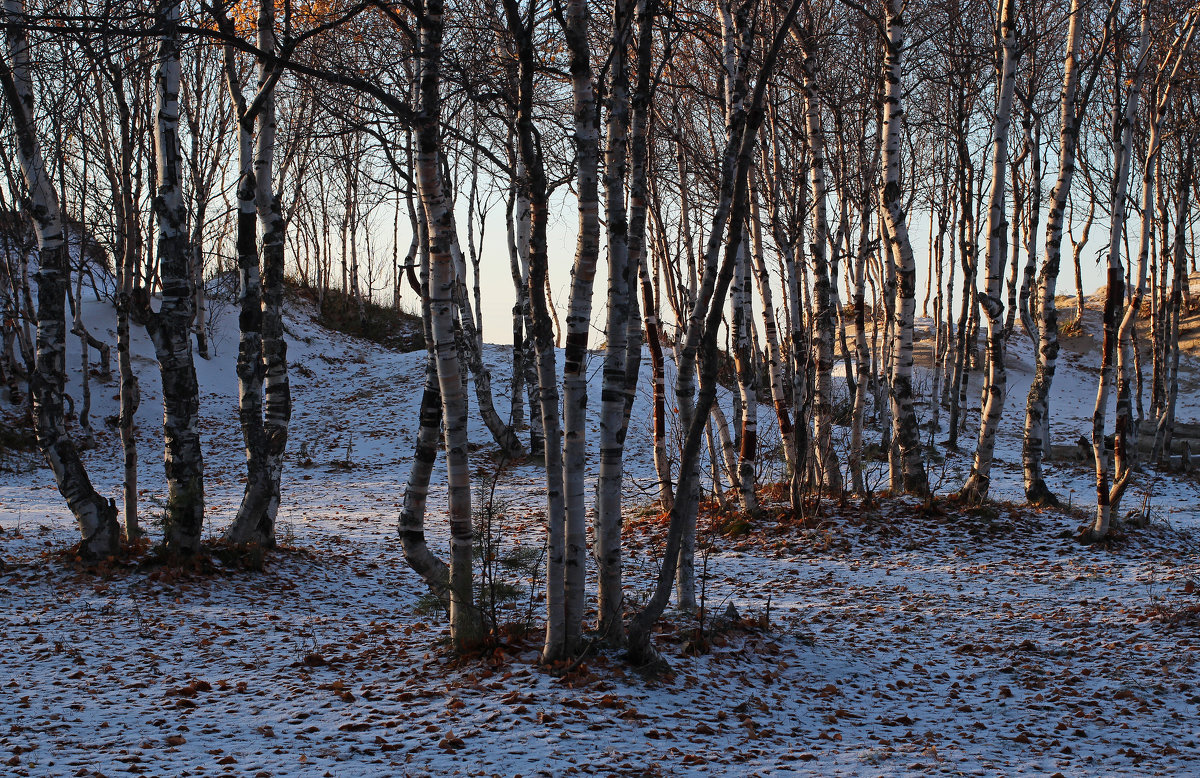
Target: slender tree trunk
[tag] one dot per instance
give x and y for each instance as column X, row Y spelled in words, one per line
column 1166, row 420
column 464, row 618
column 1037, row 406
column 1033, row 220
column 97, row 517
column 743, row 352
column 992, row 404
column 1115, row 292
column 742, row 131
column 579, row 312
column 770, row 327
column 824, row 319
column 607, row 526
column 1076, row 257
column 903, row 413
column 1126, row 443
column 556, row 643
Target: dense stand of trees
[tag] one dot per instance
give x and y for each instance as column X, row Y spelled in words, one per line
column 765, row 182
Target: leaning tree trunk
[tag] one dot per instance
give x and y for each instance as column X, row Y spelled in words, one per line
column 975, row 490
column 503, row 434
column 170, row 327
column 99, row 532
column 687, row 499
column 704, row 325
column 904, row 417
column 464, row 618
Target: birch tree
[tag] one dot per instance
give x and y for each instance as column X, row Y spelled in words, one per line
column 1115, row 291
column 975, row 490
column 904, row 419
column 1072, row 105
column 95, row 515
column 170, row 327
column 464, row 618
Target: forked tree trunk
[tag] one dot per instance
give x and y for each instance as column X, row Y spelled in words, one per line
column 704, row 323
column 687, row 367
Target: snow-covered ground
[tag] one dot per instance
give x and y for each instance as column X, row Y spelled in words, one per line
column 893, row 641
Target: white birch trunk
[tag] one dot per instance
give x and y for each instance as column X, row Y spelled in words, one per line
column 975, row 490
column 170, row 327
column 904, row 420
column 1125, row 448
column 464, row 619
column 579, row 312
column 1037, row 407
column 1115, row 293
column 96, row 517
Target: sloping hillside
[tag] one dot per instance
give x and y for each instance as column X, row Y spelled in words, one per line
column 898, row 639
